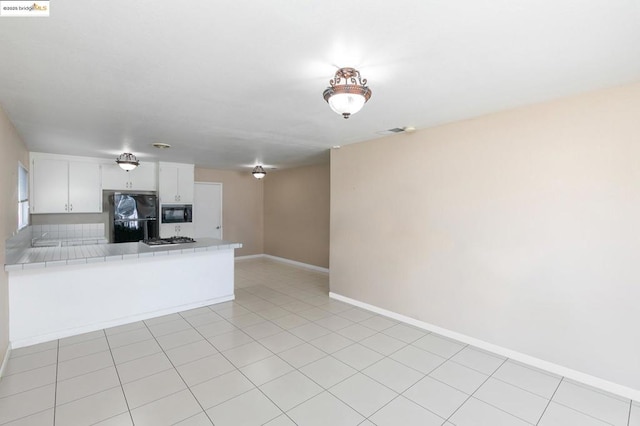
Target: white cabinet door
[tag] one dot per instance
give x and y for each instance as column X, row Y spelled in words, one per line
column 185, row 229
column 85, row 195
column 176, row 229
column 167, row 230
column 142, row 178
column 175, row 183
column 49, row 186
column 113, row 177
column 185, row 184
column 168, row 184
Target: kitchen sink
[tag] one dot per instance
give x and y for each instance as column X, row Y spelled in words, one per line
column 46, row 243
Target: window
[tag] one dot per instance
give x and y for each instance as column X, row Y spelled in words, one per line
column 23, row 197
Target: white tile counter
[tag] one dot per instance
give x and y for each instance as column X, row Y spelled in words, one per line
column 56, row 292
column 41, row 257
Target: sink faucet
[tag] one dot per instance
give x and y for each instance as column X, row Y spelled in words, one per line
column 36, row 239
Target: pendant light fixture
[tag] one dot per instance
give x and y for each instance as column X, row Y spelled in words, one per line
column 127, row 161
column 347, row 92
column 258, row 172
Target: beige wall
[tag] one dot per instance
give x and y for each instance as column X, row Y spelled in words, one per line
column 242, row 207
column 521, row 229
column 296, row 214
column 12, row 150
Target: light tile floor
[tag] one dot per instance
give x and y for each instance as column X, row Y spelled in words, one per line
column 281, row 354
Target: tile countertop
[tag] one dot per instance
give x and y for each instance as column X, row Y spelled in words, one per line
column 41, row 257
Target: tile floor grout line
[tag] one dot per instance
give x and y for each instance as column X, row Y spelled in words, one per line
column 522, row 389
column 401, row 394
column 14, row 356
column 580, row 411
column 30, row 389
column 294, row 369
column 584, row 414
column 550, row 399
column 115, row 367
column 30, row 369
column 361, row 371
column 597, row 390
column 241, row 372
column 425, row 375
column 498, row 408
column 448, row 419
column 81, row 341
column 273, row 354
column 178, row 372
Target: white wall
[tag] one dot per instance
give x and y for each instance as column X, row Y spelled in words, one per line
column 521, row 229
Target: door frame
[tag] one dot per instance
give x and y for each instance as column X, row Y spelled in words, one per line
column 221, row 201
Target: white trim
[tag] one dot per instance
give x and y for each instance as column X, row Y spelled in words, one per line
column 5, row 361
column 120, row 321
column 249, row 257
column 514, row 355
column 295, row 263
column 283, row 260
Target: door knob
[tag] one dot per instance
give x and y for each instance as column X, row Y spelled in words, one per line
column 217, row 227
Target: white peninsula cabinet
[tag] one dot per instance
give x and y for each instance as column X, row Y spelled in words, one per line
column 142, row 178
column 176, row 230
column 175, row 183
column 61, row 185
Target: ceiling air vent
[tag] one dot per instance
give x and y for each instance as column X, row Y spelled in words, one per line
column 396, row 130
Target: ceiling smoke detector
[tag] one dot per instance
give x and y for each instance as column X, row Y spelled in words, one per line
column 161, row 145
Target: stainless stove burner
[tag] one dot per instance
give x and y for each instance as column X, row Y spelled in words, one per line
column 155, row 242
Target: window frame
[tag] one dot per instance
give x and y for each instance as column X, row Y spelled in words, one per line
column 23, row 196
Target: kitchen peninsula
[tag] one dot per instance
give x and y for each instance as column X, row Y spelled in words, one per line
column 56, row 292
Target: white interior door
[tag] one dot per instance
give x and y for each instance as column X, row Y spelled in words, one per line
column 207, row 210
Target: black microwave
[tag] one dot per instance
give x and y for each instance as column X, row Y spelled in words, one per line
column 177, row 213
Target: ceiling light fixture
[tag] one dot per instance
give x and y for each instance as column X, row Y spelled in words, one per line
column 348, row 92
column 258, row 172
column 127, row 161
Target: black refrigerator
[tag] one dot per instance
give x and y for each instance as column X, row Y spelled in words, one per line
column 134, row 217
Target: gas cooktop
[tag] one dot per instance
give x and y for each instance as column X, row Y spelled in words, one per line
column 155, row 242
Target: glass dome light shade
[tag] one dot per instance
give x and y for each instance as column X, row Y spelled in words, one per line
column 346, row 104
column 258, row 172
column 127, row 161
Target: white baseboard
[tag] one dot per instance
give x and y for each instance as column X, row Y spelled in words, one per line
column 5, row 360
column 299, row 264
column 248, row 257
column 114, row 323
column 284, row 260
column 499, row 350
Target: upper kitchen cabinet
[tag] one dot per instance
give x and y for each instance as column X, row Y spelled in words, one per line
column 175, row 183
column 60, row 185
column 142, row 178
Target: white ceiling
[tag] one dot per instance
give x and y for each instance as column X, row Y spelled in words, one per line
column 233, row 83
